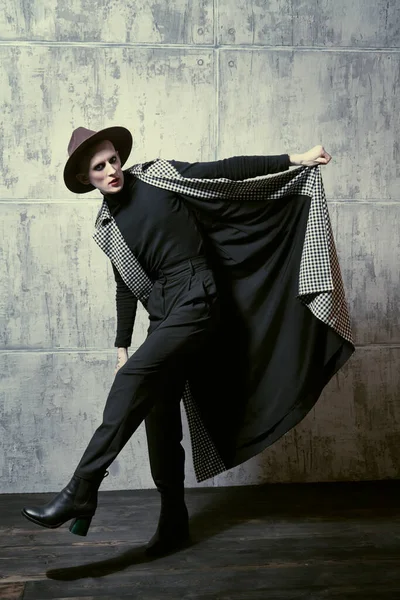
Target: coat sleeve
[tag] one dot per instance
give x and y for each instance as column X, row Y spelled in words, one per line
column 236, row 168
column 126, row 305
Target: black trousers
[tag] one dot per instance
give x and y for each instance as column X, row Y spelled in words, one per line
column 183, row 311
column 164, row 436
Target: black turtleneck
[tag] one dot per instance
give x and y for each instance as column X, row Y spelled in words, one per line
column 159, row 228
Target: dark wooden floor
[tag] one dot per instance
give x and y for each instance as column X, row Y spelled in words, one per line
column 275, row 542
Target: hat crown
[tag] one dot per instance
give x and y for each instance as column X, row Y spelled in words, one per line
column 79, row 135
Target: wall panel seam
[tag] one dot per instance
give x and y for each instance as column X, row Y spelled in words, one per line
column 111, row 350
column 216, row 46
column 215, row 22
column 217, row 106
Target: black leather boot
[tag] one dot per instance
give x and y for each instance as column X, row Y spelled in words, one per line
column 77, row 501
column 173, row 527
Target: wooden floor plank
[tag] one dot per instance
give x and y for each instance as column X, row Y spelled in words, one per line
column 239, row 547
column 11, row 591
column 312, row 541
column 302, row 582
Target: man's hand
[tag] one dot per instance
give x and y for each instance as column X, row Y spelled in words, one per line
column 122, row 357
column 315, row 156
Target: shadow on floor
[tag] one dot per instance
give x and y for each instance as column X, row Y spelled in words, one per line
column 224, row 508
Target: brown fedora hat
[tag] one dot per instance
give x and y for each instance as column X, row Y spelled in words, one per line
column 81, row 140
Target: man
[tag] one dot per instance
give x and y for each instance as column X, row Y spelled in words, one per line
column 157, row 241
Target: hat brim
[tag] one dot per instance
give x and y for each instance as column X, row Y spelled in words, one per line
column 120, row 137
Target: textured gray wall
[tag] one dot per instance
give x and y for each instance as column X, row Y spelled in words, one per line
column 193, row 81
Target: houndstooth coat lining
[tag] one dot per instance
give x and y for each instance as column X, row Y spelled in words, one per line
column 320, row 281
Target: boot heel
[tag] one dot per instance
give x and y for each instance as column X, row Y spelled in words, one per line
column 80, row 526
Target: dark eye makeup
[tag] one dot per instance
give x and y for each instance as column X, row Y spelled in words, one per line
column 100, row 166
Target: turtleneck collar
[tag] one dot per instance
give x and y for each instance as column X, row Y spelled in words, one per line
column 115, row 201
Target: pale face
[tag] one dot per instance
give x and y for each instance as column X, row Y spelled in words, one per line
column 104, row 169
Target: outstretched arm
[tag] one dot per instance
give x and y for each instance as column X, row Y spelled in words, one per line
column 238, row 168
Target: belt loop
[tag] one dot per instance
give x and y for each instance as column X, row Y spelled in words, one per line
column 192, row 270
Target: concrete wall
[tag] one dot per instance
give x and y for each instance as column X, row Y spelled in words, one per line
column 193, row 81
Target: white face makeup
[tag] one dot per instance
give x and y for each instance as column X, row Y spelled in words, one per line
column 104, row 169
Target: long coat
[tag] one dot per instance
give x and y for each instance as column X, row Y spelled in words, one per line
column 285, row 328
